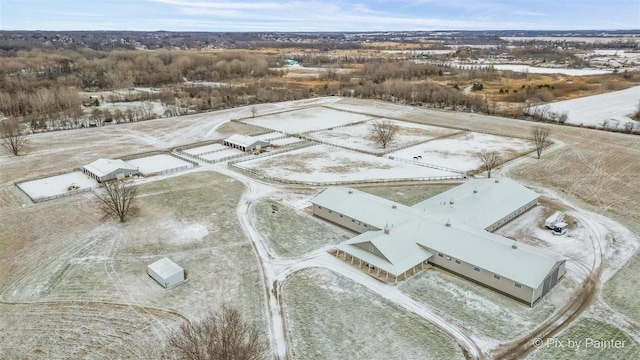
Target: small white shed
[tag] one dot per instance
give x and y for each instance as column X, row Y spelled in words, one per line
column 166, row 272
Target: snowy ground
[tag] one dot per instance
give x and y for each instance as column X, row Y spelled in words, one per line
column 306, row 120
column 461, row 151
column 550, row 70
column 528, row 68
column 62, row 260
column 358, row 136
column 269, row 136
column 285, row 141
column 57, row 185
column 331, row 317
column 615, row 108
column 205, row 149
column 588, row 339
column 222, row 154
column 324, row 163
column 280, row 226
column 158, row 163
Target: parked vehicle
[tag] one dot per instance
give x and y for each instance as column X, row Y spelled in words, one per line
column 560, row 228
column 552, row 220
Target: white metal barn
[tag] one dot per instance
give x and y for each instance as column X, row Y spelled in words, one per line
column 451, row 231
column 166, row 272
column 110, row 169
column 245, row 143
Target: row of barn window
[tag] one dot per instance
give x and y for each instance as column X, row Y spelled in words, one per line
column 495, row 276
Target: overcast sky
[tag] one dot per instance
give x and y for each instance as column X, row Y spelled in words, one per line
column 330, row 15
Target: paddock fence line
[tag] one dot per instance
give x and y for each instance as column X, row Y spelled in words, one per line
column 420, row 123
column 345, row 182
column 167, row 171
column 288, row 148
column 432, row 166
column 65, row 194
column 406, row 146
column 183, row 158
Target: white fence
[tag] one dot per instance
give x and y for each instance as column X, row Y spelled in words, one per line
column 437, row 167
column 46, row 198
column 344, row 182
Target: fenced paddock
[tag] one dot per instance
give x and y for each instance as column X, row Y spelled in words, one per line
column 159, row 164
column 323, row 164
column 261, row 174
column 461, row 151
column 222, row 155
column 358, row 136
column 57, row 186
column 287, row 141
column 207, row 149
column 306, row 120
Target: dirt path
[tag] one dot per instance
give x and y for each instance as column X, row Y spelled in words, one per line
column 275, row 272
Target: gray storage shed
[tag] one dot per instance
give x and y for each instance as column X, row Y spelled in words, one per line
column 166, row 272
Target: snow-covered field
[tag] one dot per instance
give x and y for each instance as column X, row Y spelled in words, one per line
column 530, row 69
column 158, row 163
column 57, row 185
column 615, row 108
column 332, row 317
column 269, row 136
column 358, row 136
column 550, row 70
column 205, row 149
column 222, row 154
column 324, row 163
column 460, row 152
column 285, row 141
column 306, row 120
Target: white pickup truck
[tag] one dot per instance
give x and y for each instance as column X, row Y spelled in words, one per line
column 552, row 220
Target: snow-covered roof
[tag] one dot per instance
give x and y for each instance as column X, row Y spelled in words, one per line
column 479, row 203
column 362, row 206
column 165, row 268
column 413, row 229
column 244, row 140
column 102, row 167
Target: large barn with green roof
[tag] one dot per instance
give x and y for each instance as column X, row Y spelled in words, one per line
column 452, row 231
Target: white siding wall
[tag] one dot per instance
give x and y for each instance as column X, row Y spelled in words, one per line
column 511, row 216
column 342, row 220
column 483, row 276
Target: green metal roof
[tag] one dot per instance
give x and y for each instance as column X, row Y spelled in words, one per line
column 478, row 203
column 413, row 228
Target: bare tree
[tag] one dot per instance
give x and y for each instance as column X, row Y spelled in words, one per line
column 628, row 127
column 563, row 117
column 540, row 138
column 383, row 132
column 221, row 335
column 13, row 138
column 118, row 198
column 490, row 159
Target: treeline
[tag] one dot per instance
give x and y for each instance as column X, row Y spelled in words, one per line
column 37, row 86
column 41, row 88
column 428, row 94
column 96, row 70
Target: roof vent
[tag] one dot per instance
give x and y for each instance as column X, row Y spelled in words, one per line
column 451, row 201
column 475, row 190
column 515, row 245
column 448, row 224
column 350, row 191
column 394, row 206
column 386, row 229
